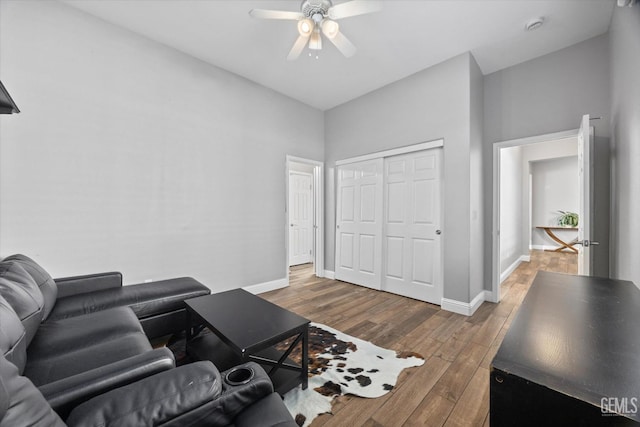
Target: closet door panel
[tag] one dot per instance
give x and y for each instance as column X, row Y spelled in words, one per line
column 412, row 251
column 359, row 223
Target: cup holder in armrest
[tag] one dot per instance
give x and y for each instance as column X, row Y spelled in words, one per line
column 239, row 376
column 242, row 386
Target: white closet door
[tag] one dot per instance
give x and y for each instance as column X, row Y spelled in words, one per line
column 412, row 242
column 359, row 223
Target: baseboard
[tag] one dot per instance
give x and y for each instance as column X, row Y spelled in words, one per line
column 267, row 286
column 466, row 308
column 489, row 297
column 542, row 247
column 512, row 267
column 330, row 274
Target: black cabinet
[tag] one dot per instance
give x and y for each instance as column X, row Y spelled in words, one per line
column 571, row 356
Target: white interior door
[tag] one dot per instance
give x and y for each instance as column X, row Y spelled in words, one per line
column 359, row 223
column 412, row 242
column 585, row 160
column 300, row 218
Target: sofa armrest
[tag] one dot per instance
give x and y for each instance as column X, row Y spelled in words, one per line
column 68, row 286
column 266, row 412
column 179, row 397
column 65, row 394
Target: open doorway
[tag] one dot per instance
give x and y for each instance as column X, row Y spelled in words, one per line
column 304, row 230
column 537, row 182
column 585, row 229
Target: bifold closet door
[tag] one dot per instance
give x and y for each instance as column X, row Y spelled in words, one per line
column 359, row 223
column 412, row 210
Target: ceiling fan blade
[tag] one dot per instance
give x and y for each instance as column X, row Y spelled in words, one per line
column 343, row 44
column 354, row 8
column 275, row 14
column 297, row 48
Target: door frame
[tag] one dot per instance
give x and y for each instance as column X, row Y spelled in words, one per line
column 318, row 214
column 393, row 152
column 495, row 230
column 587, row 174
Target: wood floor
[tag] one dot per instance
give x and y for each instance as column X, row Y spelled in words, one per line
column 452, row 387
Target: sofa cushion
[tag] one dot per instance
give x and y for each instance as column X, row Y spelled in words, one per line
column 22, row 293
column 68, row 347
column 21, row 403
column 46, row 370
column 145, row 299
column 58, row 337
column 156, row 400
column 13, row 343
column 45, row 282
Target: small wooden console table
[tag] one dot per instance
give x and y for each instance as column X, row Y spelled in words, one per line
column 570, row 245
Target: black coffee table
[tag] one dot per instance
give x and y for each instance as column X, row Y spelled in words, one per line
column 250, row 326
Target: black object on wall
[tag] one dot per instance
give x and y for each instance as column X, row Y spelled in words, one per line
column 7, row 106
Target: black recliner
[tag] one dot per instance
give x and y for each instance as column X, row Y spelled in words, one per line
column 158, row 305
column 191, row 395
column 99, row 368
column 72, row 359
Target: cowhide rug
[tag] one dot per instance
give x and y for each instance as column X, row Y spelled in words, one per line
column 341, row 364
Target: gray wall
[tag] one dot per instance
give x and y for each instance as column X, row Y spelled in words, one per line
column 625, row 125
column 476, row 183
column 429, row 105
column 545, row 95
column 554, row 187
column 531, row 154
column 512, row 214
column 131, row 156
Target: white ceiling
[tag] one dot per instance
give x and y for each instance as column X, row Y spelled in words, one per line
column 405, row 37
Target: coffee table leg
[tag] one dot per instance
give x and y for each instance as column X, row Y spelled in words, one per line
column 305, row 358
column 189, row 333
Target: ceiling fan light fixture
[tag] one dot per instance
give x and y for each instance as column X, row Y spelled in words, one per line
column 305, row 27
column 317, row 18
column 315, row 42
column 330, row 28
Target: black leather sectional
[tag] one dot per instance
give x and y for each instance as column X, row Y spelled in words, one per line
column 77, row 349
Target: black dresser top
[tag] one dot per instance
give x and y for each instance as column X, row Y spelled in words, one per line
column 577, row 335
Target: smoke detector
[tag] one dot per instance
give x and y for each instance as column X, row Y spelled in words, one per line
column 534, row 24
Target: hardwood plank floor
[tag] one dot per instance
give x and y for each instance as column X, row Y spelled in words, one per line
column 452, row 387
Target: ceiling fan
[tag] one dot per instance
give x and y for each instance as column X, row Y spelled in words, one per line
column 317, row 17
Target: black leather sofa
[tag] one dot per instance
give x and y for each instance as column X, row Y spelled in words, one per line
column 79, row 345
column 158, row 305
column 191, row 395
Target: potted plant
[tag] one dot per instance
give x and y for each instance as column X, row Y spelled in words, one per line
column 568, row 219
